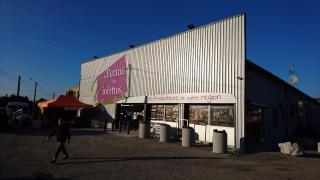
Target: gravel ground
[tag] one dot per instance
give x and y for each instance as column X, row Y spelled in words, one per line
column 26, row 154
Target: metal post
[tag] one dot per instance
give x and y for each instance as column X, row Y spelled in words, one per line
column 128, row 126
column 18, row 90
column 34, row 99
column 105, row 127
column 181, row 115
column 115, row 117
column 120, row 126
column 78, row 95
column 145, row 109
column 112, row 126
column 129, row 79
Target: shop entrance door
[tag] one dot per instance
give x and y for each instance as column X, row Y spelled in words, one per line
column 129, row 112
column 254, row 125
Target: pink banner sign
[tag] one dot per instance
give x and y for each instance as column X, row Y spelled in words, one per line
column 112, row 83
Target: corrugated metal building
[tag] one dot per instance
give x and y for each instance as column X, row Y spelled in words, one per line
column 199, row 75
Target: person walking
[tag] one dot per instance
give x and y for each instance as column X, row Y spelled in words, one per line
column 63, row 134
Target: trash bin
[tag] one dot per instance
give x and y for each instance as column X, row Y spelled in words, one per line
column 164, row 132
column 187, row 136
column 219, row 141
column 144, row 130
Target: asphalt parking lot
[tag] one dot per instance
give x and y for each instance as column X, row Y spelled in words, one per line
column 26, row 154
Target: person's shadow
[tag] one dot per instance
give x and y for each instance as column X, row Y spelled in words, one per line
column 88, row 160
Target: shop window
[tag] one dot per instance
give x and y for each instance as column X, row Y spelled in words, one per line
column 171, row 112
column 157, row 112
column 275, row 120
column 198, row 114
column 165, row 112
column 222, row 115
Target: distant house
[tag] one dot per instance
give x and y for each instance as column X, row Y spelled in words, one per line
column 73, row 91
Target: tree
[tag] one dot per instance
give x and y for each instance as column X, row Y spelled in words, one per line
column 41, row 100
column 13, row 98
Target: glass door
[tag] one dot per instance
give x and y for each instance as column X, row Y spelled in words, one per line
column 254, row 125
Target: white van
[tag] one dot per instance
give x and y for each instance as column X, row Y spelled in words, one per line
column 21, row 110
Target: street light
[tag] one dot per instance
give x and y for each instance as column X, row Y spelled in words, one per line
column 34, row 96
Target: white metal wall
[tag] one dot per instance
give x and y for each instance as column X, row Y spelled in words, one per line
column 210, row 59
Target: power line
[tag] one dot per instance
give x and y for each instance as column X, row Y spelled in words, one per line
column 6, row 72
column 8, row 88
column 43, row 89
column 27, row 83
column 8, row 75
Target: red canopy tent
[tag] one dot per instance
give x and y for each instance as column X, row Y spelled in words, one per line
column 61, row 106
column 64, row 102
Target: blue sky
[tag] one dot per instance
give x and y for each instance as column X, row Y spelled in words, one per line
column 47, row 40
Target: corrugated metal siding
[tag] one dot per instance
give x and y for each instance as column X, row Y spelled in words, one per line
column 206, row 59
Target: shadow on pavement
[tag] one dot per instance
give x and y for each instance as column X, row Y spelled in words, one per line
column 253, row 149
column 46, row 132
column 40, row 175
column 311, row 155
column 37, row 178
column 31, row 132
column 85, row 132
column 89, row 160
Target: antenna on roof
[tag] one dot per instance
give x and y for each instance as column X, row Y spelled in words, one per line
column 191, row 26
column 293, row 79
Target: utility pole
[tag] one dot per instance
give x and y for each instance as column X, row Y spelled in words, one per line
column 53, row 95
column 34, row 99
column 18, row 90
column 78, row 95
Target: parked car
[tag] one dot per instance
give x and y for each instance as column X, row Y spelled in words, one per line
column 22, row 112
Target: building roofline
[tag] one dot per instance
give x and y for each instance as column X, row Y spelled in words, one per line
column 264, row 71
column 164, row 38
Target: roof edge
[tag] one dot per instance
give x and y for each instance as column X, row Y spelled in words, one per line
column 248, row 62
column 167, row 37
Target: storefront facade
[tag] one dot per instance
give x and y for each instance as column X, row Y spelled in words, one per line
column 204, row 112
column 196, row 75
